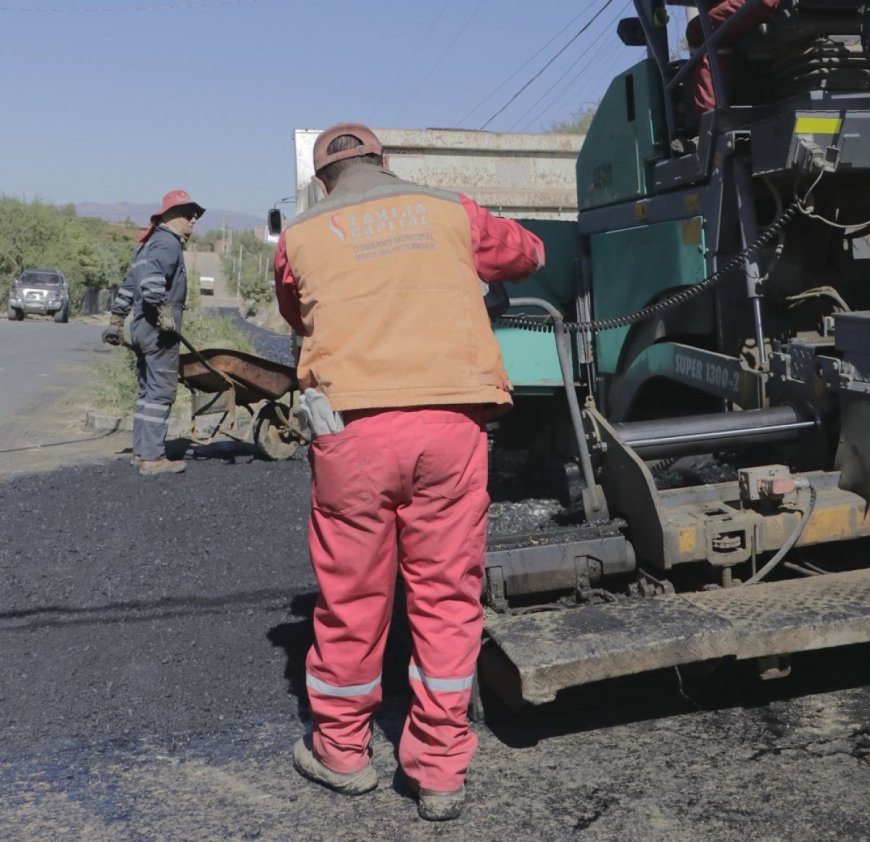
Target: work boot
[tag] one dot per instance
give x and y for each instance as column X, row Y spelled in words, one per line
column 150, row 467
column 347, row 783
column 436, row 806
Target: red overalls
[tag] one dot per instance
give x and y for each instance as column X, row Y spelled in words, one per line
column 398, row 491
column 382, row 281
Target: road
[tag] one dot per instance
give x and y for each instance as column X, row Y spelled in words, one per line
column 209, row 263
column 46, row 371
column 152, row 637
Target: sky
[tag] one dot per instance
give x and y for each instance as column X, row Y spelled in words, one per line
column 123, row 100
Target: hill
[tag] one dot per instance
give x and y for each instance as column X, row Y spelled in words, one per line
column 141, row 214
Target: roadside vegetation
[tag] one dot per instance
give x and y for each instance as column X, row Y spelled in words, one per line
column 577, row 123
column 92, row 254
column 247, row 264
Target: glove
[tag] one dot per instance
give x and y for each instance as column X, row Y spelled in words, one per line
column 112, row 334
column 165, row 319
column 316, row 413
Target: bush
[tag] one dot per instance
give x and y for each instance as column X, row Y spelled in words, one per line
column 92, row 254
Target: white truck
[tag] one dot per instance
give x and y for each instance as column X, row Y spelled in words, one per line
column 526, row 176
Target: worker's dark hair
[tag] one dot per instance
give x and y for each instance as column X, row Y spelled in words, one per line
column 329, row 174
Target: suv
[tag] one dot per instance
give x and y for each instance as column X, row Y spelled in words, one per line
column 42, row 291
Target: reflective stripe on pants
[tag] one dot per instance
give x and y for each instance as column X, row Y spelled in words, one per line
column 157, row 358
column 398, row 491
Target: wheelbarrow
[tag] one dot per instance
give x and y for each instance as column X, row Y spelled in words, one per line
column 222, row 379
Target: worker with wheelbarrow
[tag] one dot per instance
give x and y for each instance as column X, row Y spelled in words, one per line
column 155, row 289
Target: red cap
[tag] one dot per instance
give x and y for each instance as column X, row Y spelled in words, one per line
column 369, row 144
column 173, row 199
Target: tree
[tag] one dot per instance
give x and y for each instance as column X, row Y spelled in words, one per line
column 206, row 242
column 92, row 254
column 249, row 267
column 577, row 124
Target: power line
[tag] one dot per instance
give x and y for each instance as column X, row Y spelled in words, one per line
column 540, row 108
column 582, row 30
column 516, row 72
column 554, row 102
column 444, row 53
column 590, row 55
column 162, row 7
column 600, row 72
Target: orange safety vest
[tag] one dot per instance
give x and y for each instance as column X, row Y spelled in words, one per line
column 390, row 299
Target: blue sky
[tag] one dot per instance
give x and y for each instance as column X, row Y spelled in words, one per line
column 121, row 100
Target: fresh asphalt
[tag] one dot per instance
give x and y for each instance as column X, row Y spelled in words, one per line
column 152, row 642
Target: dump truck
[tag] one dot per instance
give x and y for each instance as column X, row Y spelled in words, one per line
column 691, row 369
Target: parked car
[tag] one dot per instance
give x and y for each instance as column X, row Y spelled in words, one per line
column 206, row 285
column 43, row 292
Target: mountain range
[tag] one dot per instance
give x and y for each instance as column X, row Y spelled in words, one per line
column 141, row 215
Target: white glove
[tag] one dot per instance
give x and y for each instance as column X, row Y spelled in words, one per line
column 316, row 413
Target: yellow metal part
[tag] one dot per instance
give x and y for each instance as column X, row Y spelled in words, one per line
column 692, row 202
column 818, row 125
column 722, row 531
column 688, row 541
column 834, row 524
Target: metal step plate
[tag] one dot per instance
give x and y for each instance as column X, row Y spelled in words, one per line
column 559, row 649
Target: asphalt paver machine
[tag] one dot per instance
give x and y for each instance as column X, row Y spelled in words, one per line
column 712, row 299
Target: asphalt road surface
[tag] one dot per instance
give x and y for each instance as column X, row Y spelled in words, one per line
column 152, row 637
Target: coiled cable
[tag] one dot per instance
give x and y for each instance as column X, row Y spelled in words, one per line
column 544, row 324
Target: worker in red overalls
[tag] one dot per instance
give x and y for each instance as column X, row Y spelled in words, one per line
column 400, row 369
column 705, row 95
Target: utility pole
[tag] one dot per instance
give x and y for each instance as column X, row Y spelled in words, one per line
column 239, row 281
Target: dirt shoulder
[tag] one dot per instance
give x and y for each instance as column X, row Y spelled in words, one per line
column 54, row 434
column 50, row 431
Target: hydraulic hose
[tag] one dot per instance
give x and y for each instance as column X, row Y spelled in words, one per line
column 563, row 351
column 792, row 539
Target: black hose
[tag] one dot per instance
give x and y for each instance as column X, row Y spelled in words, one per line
column 792, row 540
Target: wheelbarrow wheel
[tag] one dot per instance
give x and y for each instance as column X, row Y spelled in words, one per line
column 274, row 438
